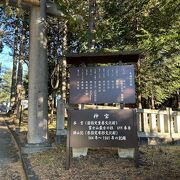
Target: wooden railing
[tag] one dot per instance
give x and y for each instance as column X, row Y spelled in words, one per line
column 158, row 123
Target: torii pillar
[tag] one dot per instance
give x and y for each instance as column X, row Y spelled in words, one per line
column 38, row 78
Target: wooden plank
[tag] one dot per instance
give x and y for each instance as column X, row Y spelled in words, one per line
column 94, row 58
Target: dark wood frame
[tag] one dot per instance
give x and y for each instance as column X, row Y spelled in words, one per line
column 103, row 58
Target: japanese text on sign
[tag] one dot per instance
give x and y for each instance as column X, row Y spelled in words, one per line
column 103, row 128
column 106, row 84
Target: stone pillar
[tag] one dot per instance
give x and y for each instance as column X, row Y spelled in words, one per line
column 60, row 131
column 126, row 153
column 161, row 122
column 178, row 123
column 146, row 125
column 38, row 76
column 153, row 123
column 170, row 122
column 78, row 152
column 139, row 121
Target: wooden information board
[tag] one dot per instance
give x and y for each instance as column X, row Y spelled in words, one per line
column 103, row 128
column 102, row 84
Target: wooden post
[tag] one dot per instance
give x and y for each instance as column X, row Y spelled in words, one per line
column 130, row 152
column 21, row 111
column 68, row 153
column 78, row 152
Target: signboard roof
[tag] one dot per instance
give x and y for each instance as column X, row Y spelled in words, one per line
column 94, row 58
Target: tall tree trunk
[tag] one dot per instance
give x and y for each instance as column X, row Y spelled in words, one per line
column 22, row 48
column 178, row 99
column 20, row 67
column 52, row 106
column 14, row 71
column 92, row 28
column 53, row 93
column 64, row 63
column 152, row 98
column 139, row 96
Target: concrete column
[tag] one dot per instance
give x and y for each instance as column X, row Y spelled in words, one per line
column 146, row 125
column 172, row 125
column 170, row 121
column 139, row 121
column 78, row 152
column 153, row 123
column 161, row 122
column 126, row 153
column 177, row 124
column 60, row 131
column 38, row 76
column 60, row 118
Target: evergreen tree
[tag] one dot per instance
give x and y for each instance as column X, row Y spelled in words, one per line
column 5, row 86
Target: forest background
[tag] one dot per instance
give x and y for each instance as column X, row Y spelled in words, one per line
column 151, row 27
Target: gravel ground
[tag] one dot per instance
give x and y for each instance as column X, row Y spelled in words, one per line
column 156, row 163
column 10, row 165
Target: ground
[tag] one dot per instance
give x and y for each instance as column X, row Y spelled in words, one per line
column 10, row 164
column 156, row 163
column 160, row 162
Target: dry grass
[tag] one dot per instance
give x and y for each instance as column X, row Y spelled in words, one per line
column 155, row 163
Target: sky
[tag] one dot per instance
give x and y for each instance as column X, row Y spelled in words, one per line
column 6, row 59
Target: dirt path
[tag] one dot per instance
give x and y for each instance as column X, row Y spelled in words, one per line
column 10, row 165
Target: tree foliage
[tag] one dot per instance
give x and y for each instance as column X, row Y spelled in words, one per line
column 5, row 86
column 158, row 37
column 151, row 26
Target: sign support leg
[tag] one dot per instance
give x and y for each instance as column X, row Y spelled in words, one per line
column 136, row 157
column 68, row 145
column 20, row 118
column 136, row 152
